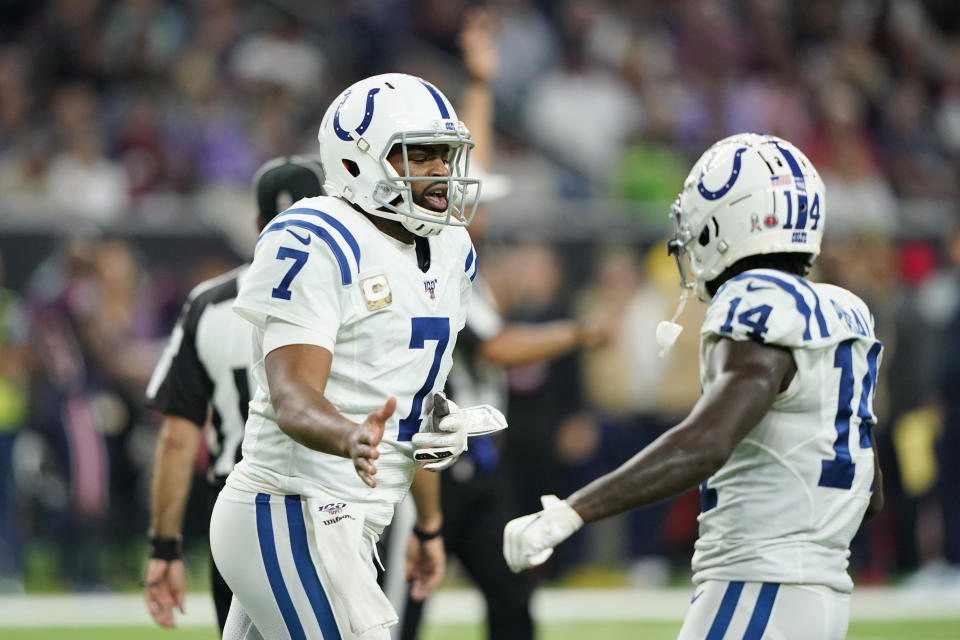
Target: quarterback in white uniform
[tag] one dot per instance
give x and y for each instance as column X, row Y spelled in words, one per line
column 780, row 441
column 356, row 300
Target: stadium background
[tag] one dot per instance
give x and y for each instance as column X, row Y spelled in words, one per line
column 130, row 129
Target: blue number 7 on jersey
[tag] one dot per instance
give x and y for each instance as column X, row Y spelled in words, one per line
column 282, row 291
column 423, row 329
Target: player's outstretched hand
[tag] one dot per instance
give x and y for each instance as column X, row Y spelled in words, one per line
column 362, row 445
column 529, row 540
column 164, row 588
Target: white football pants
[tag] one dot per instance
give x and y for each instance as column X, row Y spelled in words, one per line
column 764, row 611
column 262, row 548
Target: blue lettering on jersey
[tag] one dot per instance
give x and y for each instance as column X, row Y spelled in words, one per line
column 851, row 319
column 838, row 472
column 421, row 331
column 282, row 291
column 865, row 410
column 338, row 253
column 802, row 306
column 799, row 236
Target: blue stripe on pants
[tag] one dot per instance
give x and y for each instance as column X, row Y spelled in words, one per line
column 308, row 571
column 268, row 550
column 727, row 606
column 761, row 613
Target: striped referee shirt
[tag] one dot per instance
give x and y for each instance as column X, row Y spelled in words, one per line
column 204, row 372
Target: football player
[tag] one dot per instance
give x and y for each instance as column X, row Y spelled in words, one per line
column 205, row 369
column 356, row 299
column 780, row 441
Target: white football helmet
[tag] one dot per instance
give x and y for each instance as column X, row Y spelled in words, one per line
column 361, row 127
column 748, row 194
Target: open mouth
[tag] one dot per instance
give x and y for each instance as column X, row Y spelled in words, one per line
column 435, row 197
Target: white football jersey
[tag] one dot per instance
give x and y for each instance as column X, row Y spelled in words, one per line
column 785, row 506
column 324, row 266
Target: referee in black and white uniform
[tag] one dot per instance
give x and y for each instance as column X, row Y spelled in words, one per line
column 203, row 378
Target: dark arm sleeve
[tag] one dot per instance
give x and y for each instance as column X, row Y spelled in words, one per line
column 468, row 341
column 180, row 385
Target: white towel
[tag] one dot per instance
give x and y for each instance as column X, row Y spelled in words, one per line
column 345, row 569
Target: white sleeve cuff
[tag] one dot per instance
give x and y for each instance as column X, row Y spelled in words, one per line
column 279, row 333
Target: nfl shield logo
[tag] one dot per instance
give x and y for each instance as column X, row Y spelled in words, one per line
column 430, row 286
column 334, row 508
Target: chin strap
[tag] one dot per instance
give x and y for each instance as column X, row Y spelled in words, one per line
column 421, row 228
column 669, row 331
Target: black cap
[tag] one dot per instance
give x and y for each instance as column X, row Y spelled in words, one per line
column 282, row 181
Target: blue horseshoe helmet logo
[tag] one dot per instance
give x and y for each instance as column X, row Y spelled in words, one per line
column 342, row 133
column 719, row 193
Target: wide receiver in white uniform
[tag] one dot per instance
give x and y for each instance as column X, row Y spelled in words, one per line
column 780, row 441
column 357, row 299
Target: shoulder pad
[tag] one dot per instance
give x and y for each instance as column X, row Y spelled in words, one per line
column 304, row 224
column 847, row 314
column 770, row 307
column 216, row 281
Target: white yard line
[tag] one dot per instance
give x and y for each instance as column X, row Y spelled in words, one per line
column 466, row 606
column 855, row 637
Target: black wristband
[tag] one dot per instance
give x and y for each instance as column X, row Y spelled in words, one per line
column 425, row 536
column 166, row 548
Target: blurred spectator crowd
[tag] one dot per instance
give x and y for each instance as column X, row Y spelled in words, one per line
column 119, row 118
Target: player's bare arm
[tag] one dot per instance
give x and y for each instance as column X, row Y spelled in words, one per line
column 747, row 379
column 298, row 375
column 165, row 583
column 519, row 344
column 426, row 557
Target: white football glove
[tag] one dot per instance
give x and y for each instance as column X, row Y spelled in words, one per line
column 448, row 428
column 444, row 439
column 529, row 540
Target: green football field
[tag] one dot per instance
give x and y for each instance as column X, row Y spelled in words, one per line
column 860, row 630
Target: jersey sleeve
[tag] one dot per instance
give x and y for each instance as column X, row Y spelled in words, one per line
column 299, row 283
column 482, row 318
column 767, row 307
column 180, row 385
column 471, row 264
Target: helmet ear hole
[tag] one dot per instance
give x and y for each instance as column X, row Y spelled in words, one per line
column 704, row 238
column 351, row 166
